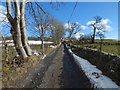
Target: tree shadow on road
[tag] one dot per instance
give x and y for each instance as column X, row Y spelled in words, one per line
column 72, row 76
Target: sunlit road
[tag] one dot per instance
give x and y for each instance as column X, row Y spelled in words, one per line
column 57, row 70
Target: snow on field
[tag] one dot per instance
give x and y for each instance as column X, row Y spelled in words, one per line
column 93, row 74
column 31, row 42
column 52, row 46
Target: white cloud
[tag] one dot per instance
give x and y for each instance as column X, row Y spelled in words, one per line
column 104, row 24
column 3, row 12
column 3, row 21
column 90, row 22
column 67, row 26
column 98, row 31
column 107, row 28
column 78, row 35
column 2, row 18
column 82, row 27
column 76, row 23
column 104, row 21
column 2, row 9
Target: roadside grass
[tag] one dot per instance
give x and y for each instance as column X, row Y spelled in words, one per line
column 107, row 40
column 38, row 48
column 109, row 46
column 12, row 52
column 113, row 49
column 13, row 72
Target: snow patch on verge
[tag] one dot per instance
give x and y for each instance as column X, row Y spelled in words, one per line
column 44, row 56
column 93, row 74
column 51, row 46
column 35, row 52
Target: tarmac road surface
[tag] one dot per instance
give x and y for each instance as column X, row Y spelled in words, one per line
column 58, row 70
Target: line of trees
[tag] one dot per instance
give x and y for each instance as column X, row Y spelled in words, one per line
column 94, row 25
column 99, row 27
column 57, row 31
column 42, row 23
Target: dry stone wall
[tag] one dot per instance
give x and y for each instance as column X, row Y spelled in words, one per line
column 109, row 64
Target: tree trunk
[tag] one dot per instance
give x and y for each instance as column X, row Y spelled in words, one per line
column 101, row 44
column 42, row 40
column 17, row 28
column 23, row 29
column 42, row 45
column 14, row 36
column 93, row 37
column 12, row 21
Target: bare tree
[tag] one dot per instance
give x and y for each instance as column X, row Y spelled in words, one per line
column 57, row 31
column 101, row 36
column 17, row 28
column 42, row 23
column 41, row 20
column 94, row 25
column 85, row 39
column 72, row 29
column 23, row 28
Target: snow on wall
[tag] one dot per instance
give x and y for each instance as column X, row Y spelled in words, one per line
column 97, row 79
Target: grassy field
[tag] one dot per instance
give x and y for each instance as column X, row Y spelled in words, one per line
column 109, row 46
column 107, row 40
column 113, row 49
column 38, row 48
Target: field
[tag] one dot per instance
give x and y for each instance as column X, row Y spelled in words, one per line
column 109, row 46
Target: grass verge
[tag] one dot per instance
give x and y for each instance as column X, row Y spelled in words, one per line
column 13, row 72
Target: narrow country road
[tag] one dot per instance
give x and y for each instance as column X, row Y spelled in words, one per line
column 57, row 70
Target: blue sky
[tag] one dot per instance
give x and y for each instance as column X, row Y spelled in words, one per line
column 84, row 12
